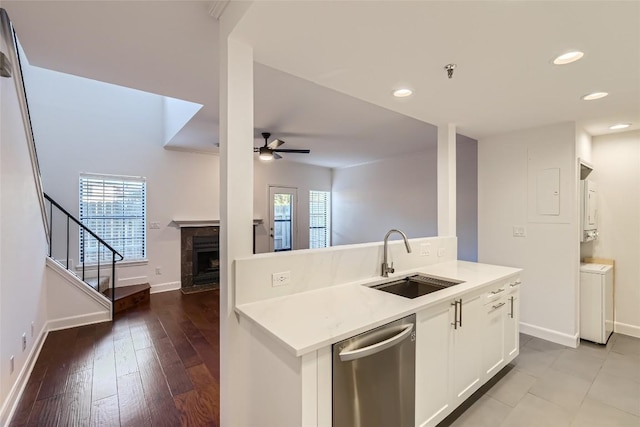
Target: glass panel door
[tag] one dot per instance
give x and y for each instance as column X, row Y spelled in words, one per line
column 282, row 219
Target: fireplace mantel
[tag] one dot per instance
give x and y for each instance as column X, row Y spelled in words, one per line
column 182, row 223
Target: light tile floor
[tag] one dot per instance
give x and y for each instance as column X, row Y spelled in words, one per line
column 549, row 385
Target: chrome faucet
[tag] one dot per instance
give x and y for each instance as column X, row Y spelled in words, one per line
column 386, row 268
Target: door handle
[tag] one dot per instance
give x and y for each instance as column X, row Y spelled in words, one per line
column 497, row 292
column 372, row 349
column 457, row 315
column 511, row 314
column 495, row 307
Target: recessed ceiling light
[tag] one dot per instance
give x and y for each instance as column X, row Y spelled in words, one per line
column 620, row 126
column 594, row 95
column 568, row 58
column 402, row 93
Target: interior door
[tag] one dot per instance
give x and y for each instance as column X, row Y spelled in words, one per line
column 282, row 218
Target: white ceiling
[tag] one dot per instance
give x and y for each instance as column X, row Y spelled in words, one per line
column 504, row 80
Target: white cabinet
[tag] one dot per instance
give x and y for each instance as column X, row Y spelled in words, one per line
column 448, row 368
column 512, row 321
column 433, row 350
column 494, row 337
column 466, row 365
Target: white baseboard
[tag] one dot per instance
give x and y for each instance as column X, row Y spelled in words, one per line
column 75, row 321
column 11, row 402
column 626, row 329
column 164, row 287
column 550, row 335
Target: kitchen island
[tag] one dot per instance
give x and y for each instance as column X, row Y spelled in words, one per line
column 289, row 337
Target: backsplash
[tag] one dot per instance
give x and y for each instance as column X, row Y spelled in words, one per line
column 313, row 269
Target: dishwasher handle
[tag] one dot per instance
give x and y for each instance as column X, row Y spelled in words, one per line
column 369, row 350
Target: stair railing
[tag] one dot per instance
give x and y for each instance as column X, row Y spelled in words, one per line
column 11, row 67
column 63, row 231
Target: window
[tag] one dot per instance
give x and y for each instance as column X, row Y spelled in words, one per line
column 319, row 219
column 113, row 207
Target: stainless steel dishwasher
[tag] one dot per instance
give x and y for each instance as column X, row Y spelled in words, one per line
column 374, row 377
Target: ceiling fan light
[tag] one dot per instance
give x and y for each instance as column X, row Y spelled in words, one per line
column 265, row 154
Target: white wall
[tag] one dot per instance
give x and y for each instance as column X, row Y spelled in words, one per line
column 399, row 192
column 549, row 254
column 282, row 173
column 82, row 125
column 23, row 249
column 467, row 198
column 616, row 161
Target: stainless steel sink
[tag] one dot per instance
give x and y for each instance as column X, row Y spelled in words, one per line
column 416, row 285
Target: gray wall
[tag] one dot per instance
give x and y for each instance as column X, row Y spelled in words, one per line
column 467, row 197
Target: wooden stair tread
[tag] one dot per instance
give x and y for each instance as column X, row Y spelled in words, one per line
column 127, row 291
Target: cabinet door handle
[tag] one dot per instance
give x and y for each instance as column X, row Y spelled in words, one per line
column 511, row 314
column 514, row 284
column 455, row 314
column 498, row 305
column 460, row 323
column 497, row 292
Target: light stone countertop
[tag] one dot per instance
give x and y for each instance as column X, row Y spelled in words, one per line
column 308, row 321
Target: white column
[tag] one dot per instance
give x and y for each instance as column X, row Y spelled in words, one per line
column 447, row 180
column 236, row 197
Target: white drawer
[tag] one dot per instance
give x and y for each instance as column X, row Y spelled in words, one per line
column 495, row 292
column 513, row 285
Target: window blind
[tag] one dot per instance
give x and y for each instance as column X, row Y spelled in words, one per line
column 113, row 207
column 319, row 218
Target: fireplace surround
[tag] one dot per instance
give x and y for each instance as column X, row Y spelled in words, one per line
column 200, row 258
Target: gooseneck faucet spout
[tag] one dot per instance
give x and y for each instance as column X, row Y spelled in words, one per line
column 386, row 268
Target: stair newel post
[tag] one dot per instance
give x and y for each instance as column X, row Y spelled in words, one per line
column 84, row 249
column 67, row 242
column 50, row 227
column 113, row 283
column 98, row 285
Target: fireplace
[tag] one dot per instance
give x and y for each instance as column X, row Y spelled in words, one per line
column 200, row 258
column 206, row 260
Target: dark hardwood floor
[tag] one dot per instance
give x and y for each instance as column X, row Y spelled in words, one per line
column 155, row 365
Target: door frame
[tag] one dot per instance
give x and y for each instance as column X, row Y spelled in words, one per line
column 271, row 189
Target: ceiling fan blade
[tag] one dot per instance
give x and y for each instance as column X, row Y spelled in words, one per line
column 285, row 150
column 275, row 143
column 277, row 156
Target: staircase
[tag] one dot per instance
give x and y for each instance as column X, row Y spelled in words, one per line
column 126, row 297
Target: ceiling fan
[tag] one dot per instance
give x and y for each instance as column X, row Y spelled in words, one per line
column 270, row 150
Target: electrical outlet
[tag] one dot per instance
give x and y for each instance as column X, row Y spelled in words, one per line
column 158, row 271
column 425, row 249
column 33, row 329
column 440, row 252
column 24, row 341
column 154, row 225
column 281, row 279
column 11, row 365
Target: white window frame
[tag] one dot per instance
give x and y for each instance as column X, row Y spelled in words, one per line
column 98, row 221
column 313, row 212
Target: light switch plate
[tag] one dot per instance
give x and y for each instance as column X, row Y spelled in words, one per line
column 154, row 225
column 281, row 279
column 519, row 231
column 11, row 365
